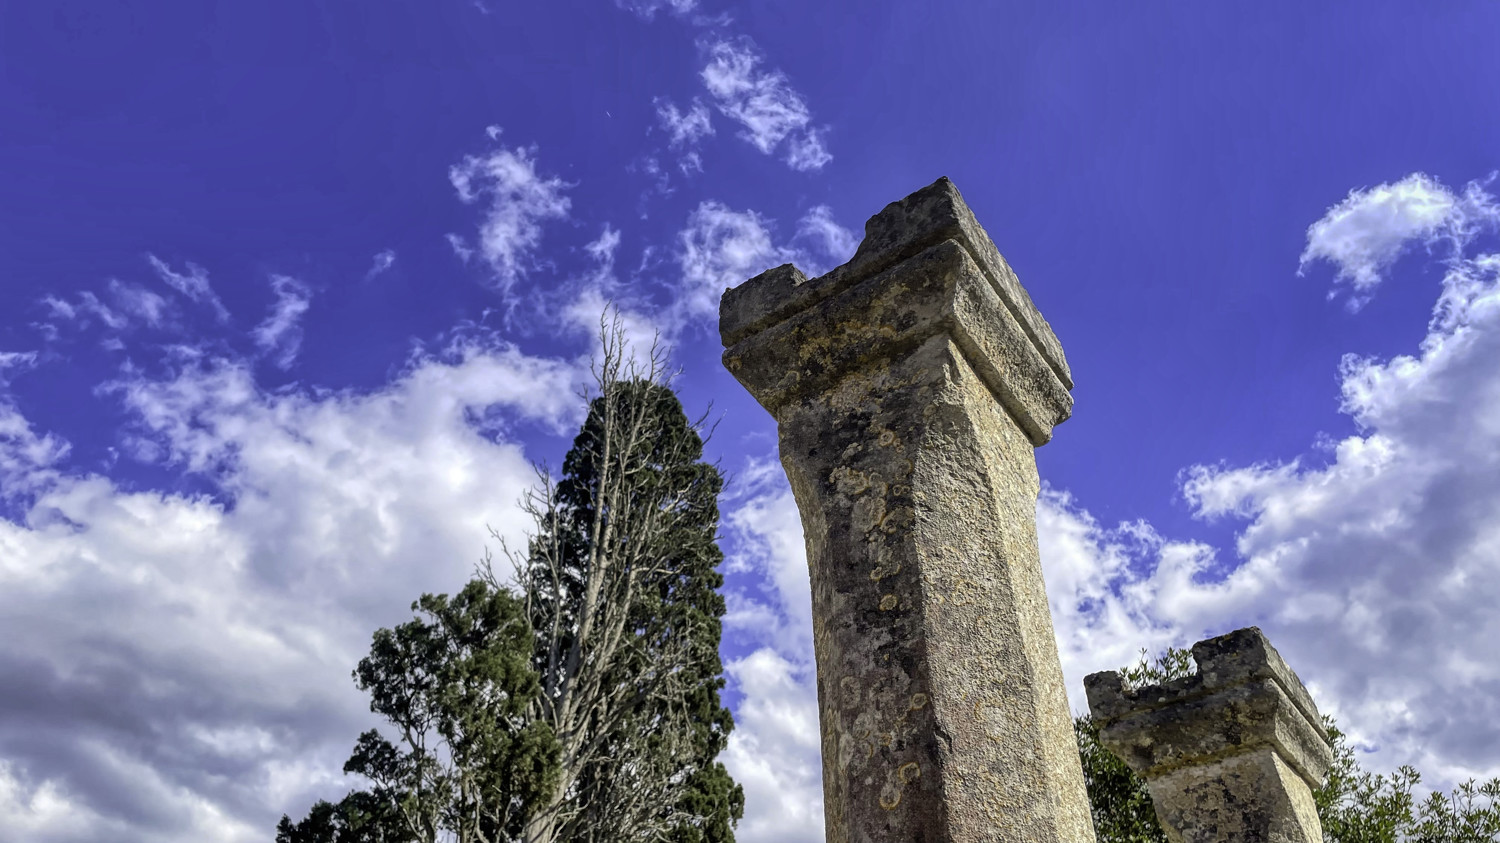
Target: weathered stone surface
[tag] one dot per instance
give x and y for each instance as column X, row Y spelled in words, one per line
column 1231, row 753
column 909, row 388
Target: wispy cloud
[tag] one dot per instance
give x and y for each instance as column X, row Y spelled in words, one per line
column 647, row 9
column 279, row 335
column 1365, row 234
column 721, row 247
column 684, row 130
column 381, row 263
column 139, row 302
column 832, row 243
column 193, row 285
column 128, row 305
column 516, row 199
column 764, row 103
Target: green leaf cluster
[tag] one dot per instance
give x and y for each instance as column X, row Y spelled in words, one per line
column 584, row 703
column 455, row 684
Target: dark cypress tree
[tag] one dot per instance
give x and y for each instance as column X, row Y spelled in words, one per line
column 622, row 583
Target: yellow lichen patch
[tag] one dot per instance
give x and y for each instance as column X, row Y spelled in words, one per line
column 849, row 481
column 909, row 772
column 850, row 687
column 918, row 701
column 880, row 572
column 889, row 602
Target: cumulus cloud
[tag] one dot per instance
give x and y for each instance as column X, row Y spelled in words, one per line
column 1365, row 234
column 764, row 103
column 279, row 335
column 193, row 285
column 187, row 659
column 1390, row 550
column 774, row 751
column 516, row 201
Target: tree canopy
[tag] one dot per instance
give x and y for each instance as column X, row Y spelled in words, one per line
column 579, row 698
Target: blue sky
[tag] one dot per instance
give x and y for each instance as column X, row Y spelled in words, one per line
column 294, row 293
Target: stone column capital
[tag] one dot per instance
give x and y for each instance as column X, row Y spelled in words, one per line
column 924, row 267
column 1242, row 697
column 1231, row 754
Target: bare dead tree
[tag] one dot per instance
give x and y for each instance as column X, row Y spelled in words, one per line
column 622, row 648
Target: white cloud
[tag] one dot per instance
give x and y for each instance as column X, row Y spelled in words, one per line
column 774, row 750
column 598, row 296
column 647, row 9
column 193, row 285
column 833, row 243
column 684, row 128
column 602, row 250
column 15, row 360
column 460, row 246
column 1365, row 234
column 382, row 262
column 806, row 151
column 764, row 103
column 187, row 659
column 718, row 249
column 27, row 458
column 517, row 201
column 135, row 300
column 721, row 248
column 280, row 333
column 1386, row 558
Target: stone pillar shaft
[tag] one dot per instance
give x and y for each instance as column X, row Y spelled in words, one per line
column 1230, row 754
column 910, row 387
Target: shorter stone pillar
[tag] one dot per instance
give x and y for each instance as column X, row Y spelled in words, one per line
column 1230, row 754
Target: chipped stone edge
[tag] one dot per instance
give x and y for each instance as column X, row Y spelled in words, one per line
column 970, row 340
column 1113, row 703
column 784, row 290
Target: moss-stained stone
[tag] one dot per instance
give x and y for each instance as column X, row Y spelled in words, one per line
column 909, row 388
column 1232, row 753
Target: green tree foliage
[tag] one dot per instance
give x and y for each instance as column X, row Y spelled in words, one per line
column 467, row 763
column 1354, row 805
column 622, row 587
column 582, row 703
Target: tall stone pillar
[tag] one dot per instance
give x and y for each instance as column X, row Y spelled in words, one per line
column 1230, row 754
column 910, row 387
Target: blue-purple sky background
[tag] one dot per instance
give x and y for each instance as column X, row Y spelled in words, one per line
column 292, row 291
